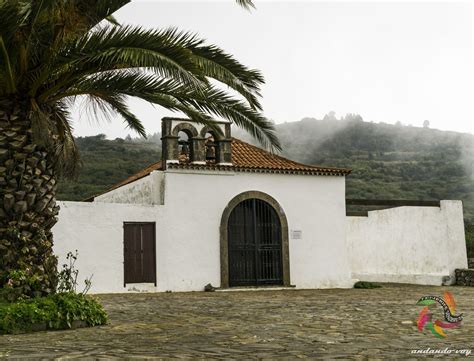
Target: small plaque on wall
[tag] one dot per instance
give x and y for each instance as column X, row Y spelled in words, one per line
column 296, row 234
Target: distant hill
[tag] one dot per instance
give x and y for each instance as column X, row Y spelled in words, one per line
column 388, row 161
column 106, row 162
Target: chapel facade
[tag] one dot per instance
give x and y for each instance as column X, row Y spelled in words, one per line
column 217, row 210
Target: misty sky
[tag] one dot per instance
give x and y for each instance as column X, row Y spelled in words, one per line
column 389, row 62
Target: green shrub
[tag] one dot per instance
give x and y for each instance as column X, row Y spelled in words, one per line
column 54, row 312
column 67, row 277
column 368, row 285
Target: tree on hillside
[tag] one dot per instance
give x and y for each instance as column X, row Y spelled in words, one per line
column 351, row 117
column 53, row 52
column 331, row 116
column 426, row 124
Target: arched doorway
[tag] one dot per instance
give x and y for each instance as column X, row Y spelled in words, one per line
column 254, row 242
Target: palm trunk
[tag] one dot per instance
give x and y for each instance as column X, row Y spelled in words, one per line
column 27, row 208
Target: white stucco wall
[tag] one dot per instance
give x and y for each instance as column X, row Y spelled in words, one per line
column 96, row 231
column 187, row 228
column 408, row 244
column 147, row 190
column 313, row 204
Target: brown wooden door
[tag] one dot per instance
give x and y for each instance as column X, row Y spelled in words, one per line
column 139, row 253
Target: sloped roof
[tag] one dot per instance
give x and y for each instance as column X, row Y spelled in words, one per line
column 245, row 158
column 137, row 176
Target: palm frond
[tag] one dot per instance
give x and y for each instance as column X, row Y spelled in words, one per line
column 7, row 76
column 217, row 64
column 51, row 129
column 121, row 82
column 54, row 52
column 117, row 103
column 164, row 52
column 41, row 124
column 247, row 4
column 66, row 154
column 13, row 16
column 96, row 11
column 200, row 105
column 111, row 19
column 221, row 104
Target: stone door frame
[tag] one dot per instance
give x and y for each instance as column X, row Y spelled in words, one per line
column 224, row 242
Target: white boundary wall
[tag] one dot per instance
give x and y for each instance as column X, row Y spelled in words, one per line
column 421, row 245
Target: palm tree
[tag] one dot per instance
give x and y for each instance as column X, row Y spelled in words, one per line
column 54, row 52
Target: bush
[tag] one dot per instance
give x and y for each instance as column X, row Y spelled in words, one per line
column 22, row 284
column 22, row 310
column 67, row 278
column 367, row 285
column 54, row 312
column 20, row 269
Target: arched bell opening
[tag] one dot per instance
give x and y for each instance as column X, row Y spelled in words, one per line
column 181, row 142
column 212, row 147
column 184, row 145
column 214, row 141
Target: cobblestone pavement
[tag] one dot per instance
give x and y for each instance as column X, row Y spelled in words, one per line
column 353, row 323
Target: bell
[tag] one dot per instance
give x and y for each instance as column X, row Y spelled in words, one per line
column 210, row 151
column 185, row 148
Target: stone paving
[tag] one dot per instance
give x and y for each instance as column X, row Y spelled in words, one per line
column 320, row 324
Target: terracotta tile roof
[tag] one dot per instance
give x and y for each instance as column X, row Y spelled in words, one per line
column 245, row 155
column 245, row 158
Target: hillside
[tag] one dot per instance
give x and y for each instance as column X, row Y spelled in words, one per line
column 388, row 161
column 106, row 162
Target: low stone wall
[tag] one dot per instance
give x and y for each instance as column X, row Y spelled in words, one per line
column 465, row 277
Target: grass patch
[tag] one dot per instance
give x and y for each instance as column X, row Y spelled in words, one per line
column 54, row 312
column 366, row 285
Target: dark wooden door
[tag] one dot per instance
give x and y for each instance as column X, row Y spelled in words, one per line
column 255, row 245
column 139, row 253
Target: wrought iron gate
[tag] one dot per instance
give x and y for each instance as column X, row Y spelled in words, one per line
column 255, row 246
